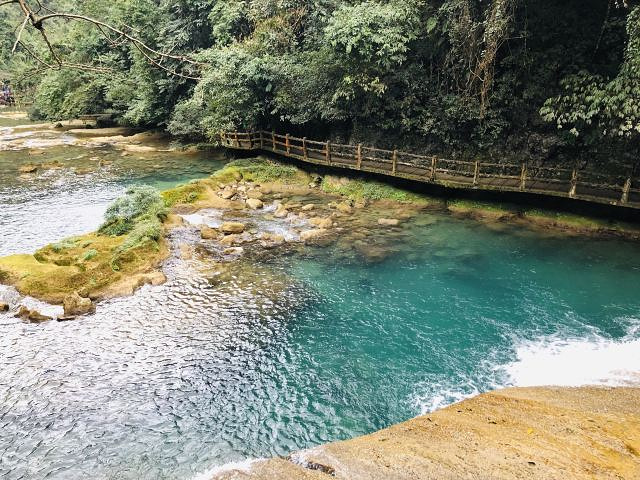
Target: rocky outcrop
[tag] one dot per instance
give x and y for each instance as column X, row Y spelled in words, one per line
column 528, row 433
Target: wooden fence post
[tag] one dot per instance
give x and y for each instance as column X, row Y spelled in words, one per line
column 625, row 191
column 304, row 149
column 359, row 157
column 237, row 141
column 328, row 152
column 261, row 140
column 434, row 162
column 287, row 144
column 223, row 138
column 476, row 173
column 523, row 177
column 394, row 168
column 273, row 140
column 251, row 140
column 574, row 183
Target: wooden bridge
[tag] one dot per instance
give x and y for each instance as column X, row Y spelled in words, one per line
column 582, row 184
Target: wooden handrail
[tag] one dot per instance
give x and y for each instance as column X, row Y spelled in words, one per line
column 580, row 184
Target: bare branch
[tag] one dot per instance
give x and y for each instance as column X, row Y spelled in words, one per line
column 155, row 57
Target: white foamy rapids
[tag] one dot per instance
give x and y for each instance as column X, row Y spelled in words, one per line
column 548, row 361
column 244, row 467
column 576, row 362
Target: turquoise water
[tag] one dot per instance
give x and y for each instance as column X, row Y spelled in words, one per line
column 290, row 352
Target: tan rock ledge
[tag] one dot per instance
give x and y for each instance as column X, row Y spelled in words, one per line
column 520, row 433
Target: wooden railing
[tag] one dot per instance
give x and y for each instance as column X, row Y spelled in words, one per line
column 575, row 183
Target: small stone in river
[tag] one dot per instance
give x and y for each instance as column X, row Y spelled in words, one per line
column 230, row 240
column 232, row 227
column 228, row 193
column 360, row 203
column 4, row 307
column 234, row 251
column 389, row 222
column 208, row 233
column 281, row 212
column 75, row 305
column 28, row 168
column 254, row 203
column 308, row 207
column 32, row 316
column 255, row 194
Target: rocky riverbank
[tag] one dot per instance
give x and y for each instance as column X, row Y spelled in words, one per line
column 522, row 433
column 252, row 209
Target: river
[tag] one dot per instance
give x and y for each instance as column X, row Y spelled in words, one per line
column 294, row 350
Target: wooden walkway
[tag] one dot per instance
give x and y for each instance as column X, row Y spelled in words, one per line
column 591, row 186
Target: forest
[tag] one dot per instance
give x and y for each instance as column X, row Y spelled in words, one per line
column 542, row 80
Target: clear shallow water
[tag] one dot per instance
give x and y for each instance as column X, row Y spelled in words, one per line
column 40, row 208
column 296, row 351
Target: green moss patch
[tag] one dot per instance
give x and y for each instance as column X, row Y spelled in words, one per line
column 357, row 189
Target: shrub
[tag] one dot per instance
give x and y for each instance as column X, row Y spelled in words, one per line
column 120, row 217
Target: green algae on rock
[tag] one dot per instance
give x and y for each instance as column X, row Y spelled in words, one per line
column 112, row 262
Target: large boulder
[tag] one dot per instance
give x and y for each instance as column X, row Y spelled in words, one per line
column 232, row 227
column 75, row 305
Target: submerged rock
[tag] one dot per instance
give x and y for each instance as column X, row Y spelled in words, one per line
column 317, row 236
column 389, row 222
column 75, row 305
column 234, row 251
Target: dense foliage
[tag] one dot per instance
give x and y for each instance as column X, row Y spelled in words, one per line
column 538, row 78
